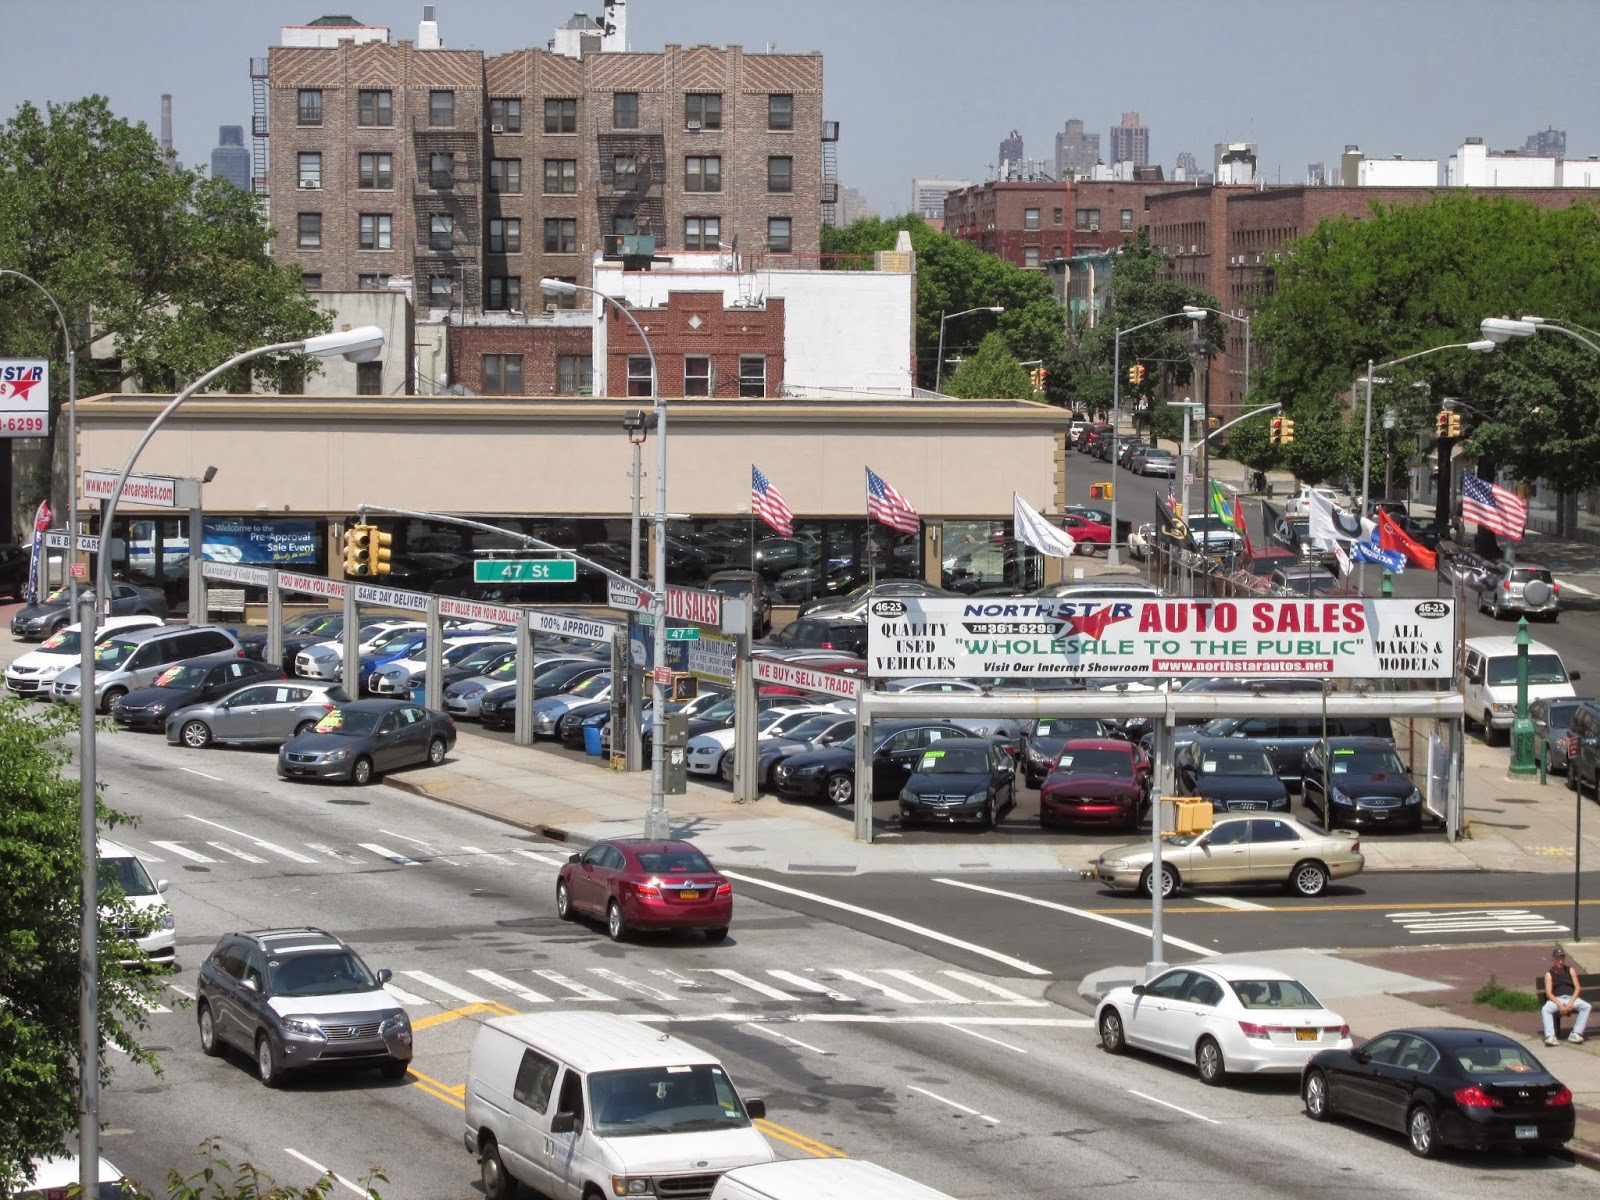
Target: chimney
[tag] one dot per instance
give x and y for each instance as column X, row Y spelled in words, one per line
column 428, row 30
column 614, row 26
column 166, row 122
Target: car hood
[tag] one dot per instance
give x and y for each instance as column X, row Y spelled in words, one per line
column 704, row 1151
column 339, row 1004
column 945, row 782
column 39, row 610
column 482, row 681
column 556, row 705
column 1373, row 785
column 323, row 649
column 719, row 738
column 500, row 693
column 832, row 757
column 321, row 743
column 171, row 697
column 1240, row 787
column 780, row 745
column 45, row 661
column 1092, row 785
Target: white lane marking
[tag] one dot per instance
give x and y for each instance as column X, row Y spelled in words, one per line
column 1191, row 947
column 508, row 985
column 239, row 854
column 866, row 981
column 1236, row 905
column 291, row 855
column 481, row 853
column 1475, row 920
column 983, row 1037
column 184, row 992
column 428, row 849
column 743, row 980
column 148, row 857
column 910, row 977
column 1174, row 1107
column 994, row 989
column 896, row 922
column 440, row 985
column 342, row 855
column 803, row 1018
column 322, row 1170
column 184, row 852
column 683, row 982
column 810, row 985
column 1576, row 588
column 405, row 997
column 399, row 860
column 784, row 1037
column 959, row 1107
column 644, row 989
column 572, row 985
column 539, row 858
column 202, row 774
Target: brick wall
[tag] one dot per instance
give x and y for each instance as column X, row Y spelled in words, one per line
column 697, row 324
column 994, row 217
column 1102, row 203
column 539, row 346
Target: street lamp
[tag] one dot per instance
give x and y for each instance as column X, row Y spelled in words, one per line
column 362, row 344
column 1499, row 329
column 938, row 367
column 657, row 825
column 1198, row 311
column 1194, row 314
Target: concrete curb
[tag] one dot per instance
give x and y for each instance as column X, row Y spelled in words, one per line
column 554, row 832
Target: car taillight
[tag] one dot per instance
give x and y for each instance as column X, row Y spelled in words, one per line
column 327, row 708
column 827, row 646
column 1555, row 587
column 1251, row 1030
column 1506, row 585
column 1355, row 845
column 1475, row 1097
column 1560, row 1098
column 1341, row 1030
column 724, row 889
column 647, row 891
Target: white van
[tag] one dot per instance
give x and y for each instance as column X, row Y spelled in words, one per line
column 820, row 1179
column 1489, row 679
column 574, row 1103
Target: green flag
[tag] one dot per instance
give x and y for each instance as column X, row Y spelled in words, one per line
column 1221, row 505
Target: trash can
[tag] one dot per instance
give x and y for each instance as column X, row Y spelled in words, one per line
column 591, row 740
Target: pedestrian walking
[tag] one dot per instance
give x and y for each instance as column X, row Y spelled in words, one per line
column 1563, row 995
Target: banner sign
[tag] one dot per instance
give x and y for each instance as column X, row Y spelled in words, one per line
column 683, row 604
column 711, row 657
column 41, row 526
column 60, row 541
column 568, row 626
column 233, row 573
column 158, row 491
column 254, row 540
column 948, row 638
column 474, row 610
column 328, row 589
column 24, row 397
column 830, row 683
column 388, row 597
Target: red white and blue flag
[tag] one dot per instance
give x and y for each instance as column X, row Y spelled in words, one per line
column 768, row 504
column 888, row 506
column 41, row 522
column 1490, row 506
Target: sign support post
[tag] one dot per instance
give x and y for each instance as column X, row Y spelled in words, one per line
column 197, row 578
column 523, row 722
column 352, row 642
column 433, row 659
column 274, row 619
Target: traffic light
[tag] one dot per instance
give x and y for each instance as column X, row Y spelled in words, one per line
column 1036, row 378
column 1043, row 375
column 1136, row 375
column 1455, row 424
column 684, row 687
column 357, row 550
column 1275, row 434
column 1442, row 425
column 1286, row 431
column 380, row 552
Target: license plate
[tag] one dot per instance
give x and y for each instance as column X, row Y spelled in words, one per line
column 687, row 894
column 1305, row 1035
column 1527, row 1131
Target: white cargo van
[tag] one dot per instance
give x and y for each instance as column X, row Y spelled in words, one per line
column 573, row 1103
column 820, row 1179
column 1489, row 679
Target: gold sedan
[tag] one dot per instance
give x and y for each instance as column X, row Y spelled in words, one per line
column 1240, row 849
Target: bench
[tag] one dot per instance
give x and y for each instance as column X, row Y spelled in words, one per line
column 1538, row 990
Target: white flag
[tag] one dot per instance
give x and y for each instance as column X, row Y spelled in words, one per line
column 1343, row 557
column 1033, row 530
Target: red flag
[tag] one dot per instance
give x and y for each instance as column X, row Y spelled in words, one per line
column 1242, row 527
column 1392, row 537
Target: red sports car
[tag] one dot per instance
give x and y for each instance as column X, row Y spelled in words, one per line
column 634, row 884
column 1088, row 534
column 1096, row 781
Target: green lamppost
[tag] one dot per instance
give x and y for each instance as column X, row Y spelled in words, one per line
column 1387, row 589
column 1522, row 728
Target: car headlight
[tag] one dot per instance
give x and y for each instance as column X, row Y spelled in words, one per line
column 397, row 1025
column 979, row 797
column 907, row 797
column 1115, row 864
column 337, row 756
column 306, row 1026
column 808, row 772
column 1340, row 798
column 632, row 1185
column 165, row 921
column 1415, row 797
column 158, row 709
column 1500, row 708
column 468, row 693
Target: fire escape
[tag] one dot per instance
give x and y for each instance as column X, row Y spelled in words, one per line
column 830, row 172
column 258, row 126
column 449, row 170
column 630, row 196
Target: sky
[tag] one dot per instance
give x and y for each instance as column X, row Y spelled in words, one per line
column 930, row 87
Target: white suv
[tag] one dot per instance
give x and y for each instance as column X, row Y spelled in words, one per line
column 33, row 673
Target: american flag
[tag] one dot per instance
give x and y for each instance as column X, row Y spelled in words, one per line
column 889, row 506
column 1490, row 506
column 767, row 503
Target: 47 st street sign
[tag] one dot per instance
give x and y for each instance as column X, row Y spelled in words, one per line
column 525, row 570
column 1131, row 638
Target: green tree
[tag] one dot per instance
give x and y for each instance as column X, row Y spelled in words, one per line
column 992, row 373
column 40, row 867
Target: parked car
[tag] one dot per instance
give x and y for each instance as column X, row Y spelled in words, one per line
column 1239, row 849
column 1552, row 729
column 709, row 753
column 1226, row 1019
column 968, row 780
column 124, row 877
column 1489, row 680
column 497, row 709
column 57, row 1176
column 1128, row 447
column 818, row 632
column 816, row 732
column 1090, row 535
column 1154, row 460
column 399, row 676
column 1467, row 1088
column 1583, row 749
column 306, row 623
column 830, row 774
column 485, row 660
column 328, row 627
column 258, row 714
column 1504, row 592
column 854, row 605
column 1235, row 774
column 1299, row 505
column 1141, row 540
column 35, row 622
column 325, row 660
column 1101, row 516
column 1303, row 578
column 1286, row 739
column 193, row 681
column 33, row 673
column 547, row 712
column 1367, row 785
column 358, row 741
column 1096, row 781
column 1093, row 436
column 298, row 998
column 746, row 585
column 134, row 658
column 14, row 565
column 634, row 884
column 1041, row 740
column 464, row 697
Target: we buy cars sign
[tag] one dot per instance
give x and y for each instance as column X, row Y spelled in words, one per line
column 1132, row 637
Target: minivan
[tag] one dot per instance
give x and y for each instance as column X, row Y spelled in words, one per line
column 820, row 1179
column 1489, row 680
column 575, row 1104
column 135, row 659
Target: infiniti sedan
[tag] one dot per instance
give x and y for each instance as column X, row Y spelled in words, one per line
column 1359, row 782
column 360, row 740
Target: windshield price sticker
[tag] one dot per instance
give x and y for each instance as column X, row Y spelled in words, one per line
column 334, row 720
column 169, row 675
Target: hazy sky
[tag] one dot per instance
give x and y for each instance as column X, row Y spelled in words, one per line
column 929, row 87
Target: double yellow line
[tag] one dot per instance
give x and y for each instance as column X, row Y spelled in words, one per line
column 799, row 1141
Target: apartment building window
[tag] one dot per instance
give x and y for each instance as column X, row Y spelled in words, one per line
column 561, row 116
column 1030, row 256
column 625, row 110
column 1055, row 216
column 1056, row 252
column 780, row 174
column 505, row 293
column 506, row 114
column 502, row 375
column 1086, row 218
column 440, row 287
column 505, row 176
column 696, row 375
column 780, row 111
column 505, row 236
column 624, row 173
column 374, row 107
column 441, row 231
column 369, row 379
column 702, row 110
column 311, row 106
column 779, row 235
column 310, row 231
column 374, row 282
column 441, row 170
column 638, row 375
column 752, row 375
column 377, row 230
column 702, row 174
column 375, row 171
column 310, row 170
column 1030, row 218
column 560, row 175
column 311, row 279
column 575, row 375
column 564, row 299
column 441, row 108
column 560, row 235
column 624, row 224
column 702, row 233
column 1127, row 219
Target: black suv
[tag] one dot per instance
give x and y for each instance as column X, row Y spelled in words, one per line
column 295, row 998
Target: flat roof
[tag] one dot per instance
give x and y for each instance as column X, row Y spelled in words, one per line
column 598, row 1041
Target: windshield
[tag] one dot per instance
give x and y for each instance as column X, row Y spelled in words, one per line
column 560, row 672
column 592, row 686
column 1099, row 762
column 664, row 1100
column 720, row 711
column 1068, row 727
column 114, row 653
column 395, row 638
column 1542, row 668
column 346, row 723
column 810, row 729
column 474, row 656
column 1366, row 762
column 1244, row 761
column 1273, row 993
column 58, row 595
column 675, row 862
column 319, row 973
column 127, row 874
column 506, row 672
column 183, row 678
column 954, row 762
column 65, row 642
column 1559, row 714
column 730, row 587
column 780, row 726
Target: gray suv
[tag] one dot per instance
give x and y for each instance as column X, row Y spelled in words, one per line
column 1502, row 591
column 295, row 998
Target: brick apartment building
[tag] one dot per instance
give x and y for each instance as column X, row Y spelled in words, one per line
column 1026, row 223
column 1104, row 211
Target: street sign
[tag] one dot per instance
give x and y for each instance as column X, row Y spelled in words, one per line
column 1188, row 479
column 525, row 570
column 683, row 633
column 80, row 570
column 663, row 676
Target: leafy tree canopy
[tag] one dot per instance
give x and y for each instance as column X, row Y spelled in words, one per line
column 993, row 372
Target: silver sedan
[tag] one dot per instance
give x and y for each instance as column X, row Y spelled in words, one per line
column 263, row 714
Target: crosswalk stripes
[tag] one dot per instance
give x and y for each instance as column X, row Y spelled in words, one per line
column 183, row 851
column 526, row 995
column 398, row 859
column 440, row 985
column 258, row 852
column 582, row 991
column 241, row 855
column 1476, row 920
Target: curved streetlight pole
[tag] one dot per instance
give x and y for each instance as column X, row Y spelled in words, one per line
column 657, row 823
column 938, row 366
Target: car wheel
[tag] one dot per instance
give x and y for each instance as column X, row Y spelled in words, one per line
column 616, row 928
column 719, row 934
column 361, row 771
column 435, row 752
column 269, row 1063
column 563, row 900
column 1169, row 881
column 725, row 766
column 394, row 1068
column 111, row 697
column 1315, row 1094
column 1309, row 878
column 841, row 789
column 498, row 1183
column 1423, row 1132
column 304, row 727
column 1086, row 548
column 195, row 734
column 210, row 1044
column 991, row 814
column 1208, row 1061
column 1113, row 1038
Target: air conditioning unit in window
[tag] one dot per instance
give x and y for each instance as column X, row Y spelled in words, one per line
column 692, row 126
column 497, row 129
column 310, row 184
column 1093, row 227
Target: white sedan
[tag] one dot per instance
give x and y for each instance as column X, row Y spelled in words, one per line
column 325, row 660
column 707, row 750
column 1225, row 1018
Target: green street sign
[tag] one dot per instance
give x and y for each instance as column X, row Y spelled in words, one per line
column 682, row 633
column 525, row 570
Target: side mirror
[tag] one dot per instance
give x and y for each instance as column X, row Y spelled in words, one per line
column 1574, row 675
column 384, row 975
column 1359, row 1054
column 250, row 985
column 162, row 885
column 572, row 858
column 563, row 1122
column 1139, row 989
column 756, row 1109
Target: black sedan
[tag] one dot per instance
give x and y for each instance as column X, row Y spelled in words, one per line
column 360, row 740
column 1042, row 741
column 498, row 708
column 1235, row 774
column 35, row 622
column 255, row 643
column 1443, row 1087
column 814, row 733
column 830, row 774
column 1366, row 782
column 195, row 681
column 971, row 780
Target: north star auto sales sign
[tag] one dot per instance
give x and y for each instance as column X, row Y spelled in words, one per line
column 941, row 637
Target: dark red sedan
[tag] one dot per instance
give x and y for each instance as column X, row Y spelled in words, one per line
column 1096, row 781
column 633, row 884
